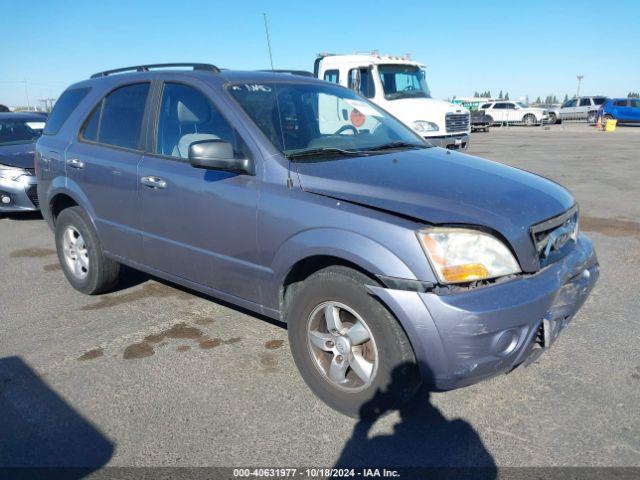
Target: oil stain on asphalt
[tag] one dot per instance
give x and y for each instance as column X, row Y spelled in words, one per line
column 92, row 354
column 273, row 344
column 148, row 290
column 52, row 267
column 32, row 253
column 611, row 227
column 179, row 331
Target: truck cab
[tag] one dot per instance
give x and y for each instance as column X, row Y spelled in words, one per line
column 399, row 85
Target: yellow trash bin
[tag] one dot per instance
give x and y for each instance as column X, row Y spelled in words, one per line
column 610, row 125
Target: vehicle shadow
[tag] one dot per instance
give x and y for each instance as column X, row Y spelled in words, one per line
column 41, row 435
column 423, row 444
column 21, row 216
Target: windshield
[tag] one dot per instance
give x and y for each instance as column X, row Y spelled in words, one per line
column 403, row 81
column 312, row 117
column 522, row 105
column 15, row 131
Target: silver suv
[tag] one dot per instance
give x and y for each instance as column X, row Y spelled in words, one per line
column 578, row 108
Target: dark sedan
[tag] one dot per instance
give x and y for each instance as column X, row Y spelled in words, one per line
column 18, row 135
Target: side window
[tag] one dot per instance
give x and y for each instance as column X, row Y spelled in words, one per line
column 620, row 103
column 599, row 100
column 585, row 102
column 117, row 120
column 187, row 116
column 634, row 102
column 571, row 103
column 332, row 76
column 485, row 106
column 509, row 106
column 500, row 106
column 361, row 80
column 63, row 108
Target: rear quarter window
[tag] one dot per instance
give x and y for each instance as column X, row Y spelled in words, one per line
column 63, row 108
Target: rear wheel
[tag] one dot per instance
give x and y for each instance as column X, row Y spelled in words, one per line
column 349, row 349
column 80, row 253
column 591, row 117
column 529, row 120
column 552, row 119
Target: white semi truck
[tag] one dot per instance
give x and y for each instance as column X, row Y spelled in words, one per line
column 398, row 85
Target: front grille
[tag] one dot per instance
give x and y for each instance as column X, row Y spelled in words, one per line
column 32, row 193
column 456, row 122
column 554, row 238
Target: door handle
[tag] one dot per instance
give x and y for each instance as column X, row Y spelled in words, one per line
column 75, row 163
column 153, row 182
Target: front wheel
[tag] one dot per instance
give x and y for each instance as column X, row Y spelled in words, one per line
column 529, row 120
column 80, row 253
column 552, row 119
column 349, row 349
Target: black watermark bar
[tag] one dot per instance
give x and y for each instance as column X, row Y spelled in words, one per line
column 422, row 473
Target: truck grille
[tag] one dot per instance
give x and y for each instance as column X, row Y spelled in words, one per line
column 554, row 238
column 456, row 122
column 32, row 193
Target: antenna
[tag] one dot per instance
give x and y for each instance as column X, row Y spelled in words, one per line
column 266, row 31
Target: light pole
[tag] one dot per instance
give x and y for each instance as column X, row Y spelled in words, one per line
column 579, row 77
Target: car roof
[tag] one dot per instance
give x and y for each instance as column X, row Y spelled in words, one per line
column 37, row 117
column 222, row 77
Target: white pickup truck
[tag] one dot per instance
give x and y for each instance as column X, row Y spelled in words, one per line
column 398, row 85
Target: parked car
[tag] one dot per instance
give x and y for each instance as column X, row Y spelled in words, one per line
column 579, row 108
column 514, row 112
column 18, row 135
column 388, row 258
column 480, row 121
column 625, row 110
column 4, row 108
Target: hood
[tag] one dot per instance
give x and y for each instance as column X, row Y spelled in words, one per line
column 411, row 109
column 21, row 155
column 438, row 186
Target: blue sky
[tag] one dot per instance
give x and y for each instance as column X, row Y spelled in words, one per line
column 523, row 47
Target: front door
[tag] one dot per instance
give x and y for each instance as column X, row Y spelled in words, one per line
column 198, row 224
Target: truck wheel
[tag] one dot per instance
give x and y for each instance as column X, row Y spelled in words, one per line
column 80, row 253
column 529, row 120
column 349, row 349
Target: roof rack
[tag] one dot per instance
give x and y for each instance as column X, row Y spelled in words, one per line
column 145, row 68
column 302, row 73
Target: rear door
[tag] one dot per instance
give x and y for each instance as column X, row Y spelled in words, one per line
column 198, row 224
column 499, row 112
column 568, row 110
column 584, row 107
column 103, row 162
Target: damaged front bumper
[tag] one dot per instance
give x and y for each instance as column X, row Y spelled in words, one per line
column 462, row 338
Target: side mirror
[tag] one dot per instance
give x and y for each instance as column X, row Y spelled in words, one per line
column 217, row 155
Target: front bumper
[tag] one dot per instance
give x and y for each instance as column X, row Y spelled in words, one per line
column 22, row 194
column 459, row 338
column 454, row 141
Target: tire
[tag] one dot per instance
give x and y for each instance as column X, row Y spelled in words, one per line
column 91, row 272
column 529, row 120
column 552, row 119
column 591, row 117
column 394, row 377
column 490, row 119
column 608, row 116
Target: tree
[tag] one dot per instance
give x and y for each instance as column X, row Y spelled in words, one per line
column 554, row 100
column 506, row 96
column 538, row 101
column 633, row 95
column 566, row 97
column 500, row 95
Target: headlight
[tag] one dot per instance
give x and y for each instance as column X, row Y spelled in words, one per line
column 462, row 255
column 424, row 126
column 13, row 173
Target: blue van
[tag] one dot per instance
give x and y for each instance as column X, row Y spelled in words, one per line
column 625, row 110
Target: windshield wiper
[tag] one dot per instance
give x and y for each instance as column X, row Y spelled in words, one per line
column 314, row 152
column 392, row 145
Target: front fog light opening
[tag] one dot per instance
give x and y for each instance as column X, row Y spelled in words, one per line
column 506, row 343
column 5, row 199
